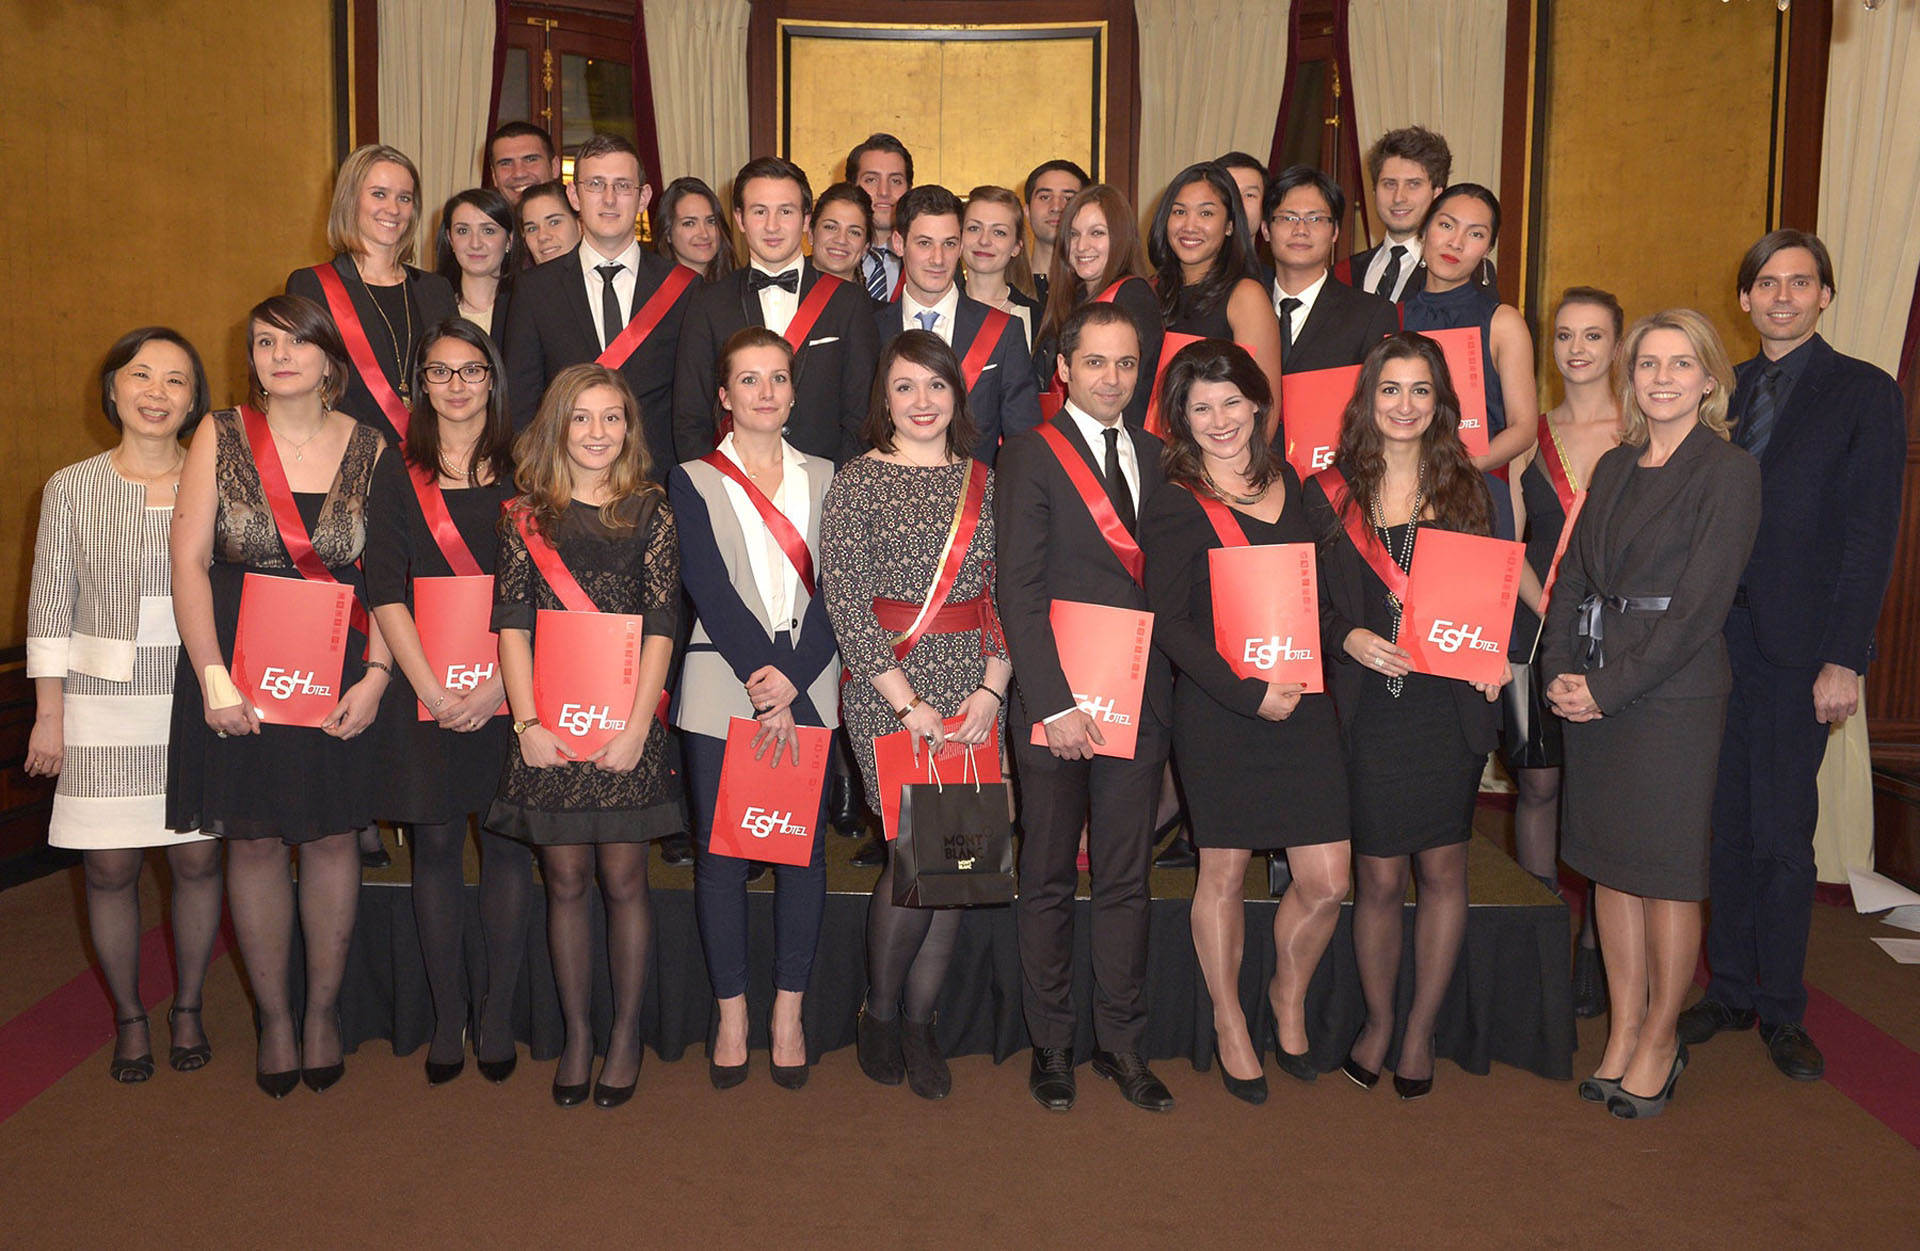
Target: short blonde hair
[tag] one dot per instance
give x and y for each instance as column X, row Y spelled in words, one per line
column 343, row 217
column 1712, row 354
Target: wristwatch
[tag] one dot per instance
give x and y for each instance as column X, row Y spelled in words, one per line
column 521, row 727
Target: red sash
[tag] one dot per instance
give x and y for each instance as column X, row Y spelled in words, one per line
column 1225, row 524
column 347, row 319
column 791, row 541
column 1056, row 393
column 1571, row 501
column 446, row 535
column 966, row 519
column 628, row 341
column 286, row 516
column 975, row 361
column 1361, row 535
column 899, row 283
column 824, row 285
column 1094, row 496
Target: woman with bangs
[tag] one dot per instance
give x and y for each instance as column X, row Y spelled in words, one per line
column 1097, row 257
column 994, row 233
column 477, row 250
column 437, row 770
column 587, row 498
column 1415, row 743
column 270, row 788
column 1636, row 663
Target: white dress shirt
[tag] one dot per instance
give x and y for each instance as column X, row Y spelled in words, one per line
column 1094, row 433
column 1378, row 266
column 943, row 311
column 1291, row 329
column 629, row 262
column 777, row 306
column 773, row 574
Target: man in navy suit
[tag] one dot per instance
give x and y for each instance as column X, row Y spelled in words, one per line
column 1830, row 434
column 1004, row 398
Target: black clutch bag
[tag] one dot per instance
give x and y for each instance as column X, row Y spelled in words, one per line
column 1530, row 733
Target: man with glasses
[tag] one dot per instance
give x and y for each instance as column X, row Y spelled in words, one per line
column 1323, row 325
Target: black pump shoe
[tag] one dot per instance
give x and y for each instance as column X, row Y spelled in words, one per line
column 497, row 1071
column 1364, row 1078
column 277, row 1085
column 439, row 1074
column 1246, row 1089
column 569, row 1096
column 324, row 1078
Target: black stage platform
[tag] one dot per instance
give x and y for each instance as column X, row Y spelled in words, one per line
column 1510, row 1001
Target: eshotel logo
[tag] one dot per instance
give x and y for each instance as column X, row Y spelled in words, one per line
column 1267, row 652
column 579, row 719
column 286, row 683
column 1101, row 709
column 1450, row 638
column 467, row 677
column 764, row 822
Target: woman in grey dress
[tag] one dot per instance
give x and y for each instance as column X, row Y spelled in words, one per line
column 1635, row 662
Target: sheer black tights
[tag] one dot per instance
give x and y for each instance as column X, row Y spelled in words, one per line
column 260, row 891
column 439, row 913
column 622, row 872
column 908, row 951
column 1440, row 924
column 113, row 923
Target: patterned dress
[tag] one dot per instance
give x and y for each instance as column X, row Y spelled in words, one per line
column 293, row 783
column 622, row 571
column 882, row 529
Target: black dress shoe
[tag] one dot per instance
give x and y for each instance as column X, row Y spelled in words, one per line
column 789, row 1076
column 1050, row 1079
column 439, row 1074
column 325, row 1077
column 1589, row 983
column 605, row 1096
column 676, row 850
column 277, row 1085
column 570, row 1096
column 1364, row 1078
column 1138, row 1085
column 1299, row 1067
column 1246, row 1089
column 879, row 1049
column 727, row 1076
column 1412, row 1087
column 1180, row 853
column 869, row 855
column 187, row 1059
column 1793, row 1052
column 927, row 1073
column 1709, row 1017
column 497, row 1071
column 136, row 1070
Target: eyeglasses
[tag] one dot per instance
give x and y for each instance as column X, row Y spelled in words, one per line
column 619, row 186
column 472, row 372
column 1316, row 220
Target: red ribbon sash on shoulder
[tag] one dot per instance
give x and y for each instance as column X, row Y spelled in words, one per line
column 360, row 351
column 1361, row 535
column 1094, row 496
column 975, row 362
column 966, row 519
column 1225, row 524
column 644, row 322
column 1571, row 501
column 286, row 515
column 785, row 533
column 446, row 535
column 815, row 303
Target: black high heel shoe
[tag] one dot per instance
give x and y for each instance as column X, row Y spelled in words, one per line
column 723, row 1076
column 187, row 1059
column 322, row 1079
column 273, row 1085
column 1628, row 1106
column 495, row 1071
column 570, row 1096
column 1246, row 1089
column 1409, row 1088
column 605, row 1096
column 1364, row 1078
column 140, row 1068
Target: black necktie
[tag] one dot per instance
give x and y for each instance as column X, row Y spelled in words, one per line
column 788, row 282
column 1758, row 426
column 1286, row 326
column 1390, row 276
column 611, row 322
column 1116, row 481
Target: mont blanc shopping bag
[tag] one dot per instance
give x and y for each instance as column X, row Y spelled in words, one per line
column 955, row 846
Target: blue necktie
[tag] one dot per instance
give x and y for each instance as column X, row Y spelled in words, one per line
column 1758, row 426
column 927, row 317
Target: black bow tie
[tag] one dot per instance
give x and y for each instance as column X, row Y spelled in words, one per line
column 788, row 282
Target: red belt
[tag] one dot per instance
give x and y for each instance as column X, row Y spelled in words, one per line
column 964, row 616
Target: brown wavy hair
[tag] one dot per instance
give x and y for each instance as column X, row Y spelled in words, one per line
column 545, row 475
column 1064, row 290
column 929, row 351
column 1455, row 488
column 1213, row 360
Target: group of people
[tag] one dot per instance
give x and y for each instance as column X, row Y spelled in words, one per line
column 830, row 464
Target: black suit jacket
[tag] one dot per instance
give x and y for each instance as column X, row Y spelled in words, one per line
column 1343, row 325
column 552, row 326
column 431, row 299
column 1050, row 548
column 1005, row 401
column 1830, row 482
column 1353, row 272
column 832, row 371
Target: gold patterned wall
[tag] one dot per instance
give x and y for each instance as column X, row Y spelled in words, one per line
column 169, row 162
column 965, row 107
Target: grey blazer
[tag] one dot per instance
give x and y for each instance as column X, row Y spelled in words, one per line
column 83, row 612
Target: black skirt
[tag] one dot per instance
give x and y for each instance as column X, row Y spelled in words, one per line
column 1413, row 777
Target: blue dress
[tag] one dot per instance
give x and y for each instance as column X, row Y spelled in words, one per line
column 1470, row 304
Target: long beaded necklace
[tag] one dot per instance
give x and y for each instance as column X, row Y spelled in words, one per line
column 1404, row 558
column 401, row 353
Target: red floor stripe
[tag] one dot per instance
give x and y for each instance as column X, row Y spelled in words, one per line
column 54, row 1036
column 1866, row 1064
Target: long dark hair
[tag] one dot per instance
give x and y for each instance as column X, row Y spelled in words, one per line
column 495, row 206
column 1214, row 360
column 1455, row 488
column 929, row 351
column 724, row 261
column 495, row 449
column 1234, row 261
column 1065, row 292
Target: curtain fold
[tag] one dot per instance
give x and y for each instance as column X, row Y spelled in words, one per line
column 436, row 89
column 1211, row 74
column 1441, row 64
column 697, row 55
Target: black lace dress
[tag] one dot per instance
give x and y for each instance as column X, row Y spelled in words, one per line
column 294, row 783
column 633, row 571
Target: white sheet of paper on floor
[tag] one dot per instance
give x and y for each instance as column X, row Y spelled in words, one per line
column 1905, row 950
column 1907, row 918
column 1873, row 892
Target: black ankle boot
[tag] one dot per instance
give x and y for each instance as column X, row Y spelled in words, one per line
column 927, row 1071
column 844, row 806
column 880, row 1049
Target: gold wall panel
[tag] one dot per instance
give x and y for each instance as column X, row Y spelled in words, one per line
column 1659, row 126
column 964, row 107
column 171, row 163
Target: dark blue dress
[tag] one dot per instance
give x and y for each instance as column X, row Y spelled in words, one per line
column 1470, row 305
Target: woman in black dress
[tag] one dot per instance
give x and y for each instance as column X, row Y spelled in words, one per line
column 690, row 229
column 1638, row 667
column 1415, row 743
column 587, row 493
column 477, row 250
column 438, row 769
column 268, row 789
column 1205, row 271
column 1261, row 761
column 1097, row 257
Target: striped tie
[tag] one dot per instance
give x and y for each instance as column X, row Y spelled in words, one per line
column 877, row 275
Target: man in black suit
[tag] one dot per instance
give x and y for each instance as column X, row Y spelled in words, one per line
column 1051, row 548
column 833, row 360
column 1049, row 187
column 568, row 310
column 1004, row 399
column 1323, row 325
column 881, row 166
column 1408, row 168
column 1830, row 434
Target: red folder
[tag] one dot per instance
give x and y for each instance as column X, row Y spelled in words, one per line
column 1459, row 611
column 290, row 646
column 1103, row 652
column 451, row 615
column 899, row 759
column 1266, row 612
column 1466, row 365
column 767, row 810
column 585, row 668
column 1312, row 404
